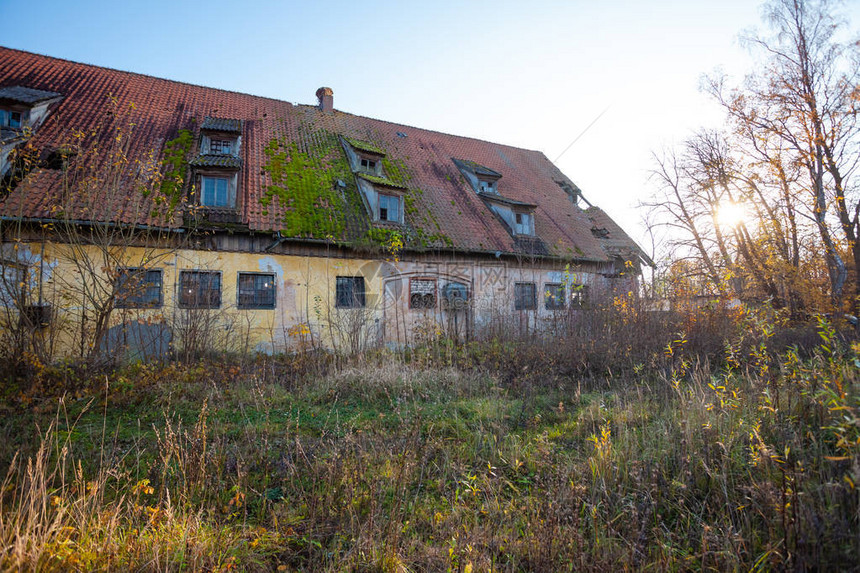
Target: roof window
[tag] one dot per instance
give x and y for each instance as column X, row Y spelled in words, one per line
column 368, row 165
column 389, row 208
column 487, row 186
column 523, row 223
column 483, row 179
column 9, row 118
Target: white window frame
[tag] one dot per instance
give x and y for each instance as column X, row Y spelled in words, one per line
column 230, row 181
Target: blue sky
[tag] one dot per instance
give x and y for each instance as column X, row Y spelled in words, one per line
column 529, row 74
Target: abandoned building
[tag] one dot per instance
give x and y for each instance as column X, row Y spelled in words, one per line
column 157, row 214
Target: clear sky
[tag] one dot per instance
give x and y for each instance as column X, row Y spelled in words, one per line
column 532, row 74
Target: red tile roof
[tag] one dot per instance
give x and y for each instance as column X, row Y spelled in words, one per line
column 441, row 206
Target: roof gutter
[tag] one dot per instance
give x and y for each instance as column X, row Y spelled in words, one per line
column 85, row 223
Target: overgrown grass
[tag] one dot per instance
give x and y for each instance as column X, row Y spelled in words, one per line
column 742, row 460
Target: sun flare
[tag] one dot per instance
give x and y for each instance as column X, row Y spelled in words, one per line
column 732, row 214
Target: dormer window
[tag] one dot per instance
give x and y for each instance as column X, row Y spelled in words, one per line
column 523, row 224
column 217, row 166
column 215, row 192
column 389, row 208
column 221, row 146
column 482, row 179
column 10, row 118
column 364, row 157
column 220, row 136
column 21, row 106
column 487, row 186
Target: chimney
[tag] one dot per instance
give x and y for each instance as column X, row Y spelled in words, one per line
column 326, row 99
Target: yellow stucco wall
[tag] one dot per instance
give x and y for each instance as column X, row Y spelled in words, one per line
column 305, row 312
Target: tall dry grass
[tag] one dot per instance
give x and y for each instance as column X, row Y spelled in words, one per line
column 508, row 458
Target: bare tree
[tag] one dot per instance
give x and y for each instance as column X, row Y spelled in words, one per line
column 110, row 211
column 788, row 156
column 802, row 103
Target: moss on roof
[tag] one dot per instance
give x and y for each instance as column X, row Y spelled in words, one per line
column 306, row 184
column 478, row 168
column 364, row 146
column 380, row 180
column 216, row 160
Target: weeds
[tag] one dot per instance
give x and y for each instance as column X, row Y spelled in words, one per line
column 739, row 460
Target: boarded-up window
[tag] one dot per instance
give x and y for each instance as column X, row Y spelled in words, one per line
column 422, row 293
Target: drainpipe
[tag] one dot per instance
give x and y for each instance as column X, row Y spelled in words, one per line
column 278, row 240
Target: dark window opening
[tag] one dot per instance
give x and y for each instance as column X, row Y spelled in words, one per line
column 368, row 164
column 256, row 290
column 554, row 296
column 350, row 292
column 138, row 288
column 525, row 296
column 199, row 289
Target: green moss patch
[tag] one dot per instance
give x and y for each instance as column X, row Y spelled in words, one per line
column 305, row 186
column 175, row 163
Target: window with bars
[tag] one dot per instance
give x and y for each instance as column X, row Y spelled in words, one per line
column 350, row 292
column 138, row 288
column 199, row 289
column 525, row 296
column 422, row 293
column 256, row 290
column 553, row 294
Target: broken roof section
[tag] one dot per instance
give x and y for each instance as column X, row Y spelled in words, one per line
column 615, row 241
column 293, row 170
